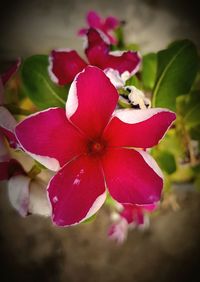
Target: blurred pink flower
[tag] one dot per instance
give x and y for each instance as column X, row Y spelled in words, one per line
column 25, row 195
column 105, row 25
column 135, row 214
column 64, row 64
column 91, row 147
column 130, row 216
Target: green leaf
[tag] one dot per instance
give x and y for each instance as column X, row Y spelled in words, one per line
column 195, row 132
column 120, row 39
column 166, row 161
column 177, row 69
column 172, row 143
column 38, row 85
column 149, row 69
column 192, row 110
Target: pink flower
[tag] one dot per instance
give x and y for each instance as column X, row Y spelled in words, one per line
column 135, row 214
column 130, row 216
column 25, row 195
column 28, row 196
column 106, row 26
column 118, row 231
column 65, row 63
column 92, row 148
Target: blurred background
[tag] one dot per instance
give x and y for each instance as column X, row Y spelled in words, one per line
column 32, row 249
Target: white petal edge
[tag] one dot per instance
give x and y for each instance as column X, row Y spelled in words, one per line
column 103, row 36
column 18, row 193
column 50, row 67
column 94, row 208
column 151, row 162
column 72, row 100
column 50, row 70
column 7, row 121
column 96, row 205
column 131, row 116
column 50, row 163
column 114, row 77
column 126, row 74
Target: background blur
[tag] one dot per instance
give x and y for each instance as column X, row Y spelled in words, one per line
column 32, row 249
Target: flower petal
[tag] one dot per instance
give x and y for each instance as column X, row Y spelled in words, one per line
column 77, row 191
column 82, row 31
column 132, row 177
column 98, row 54
column 64, row 64
column 38, row 201
column 18, row 193
column 114, row 77
column 98, row 45
column 111, row 23
column 7, row 126
column 50, row 138
column 11, row 71
column 138, row 128
column 118, row 231
column 91, row 101
column 93, row 19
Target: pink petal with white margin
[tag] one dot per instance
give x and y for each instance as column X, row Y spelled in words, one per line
column 132, row 177
column 138, row 128
column 124, row 62
column 18, row 193
column 7, row 126
column 50, row 138
column 77, row 191
column 114, row 77
column 64, row 65
column 91, row 101
column 98, row 54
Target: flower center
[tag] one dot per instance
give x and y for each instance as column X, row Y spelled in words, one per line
column 96, row 148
